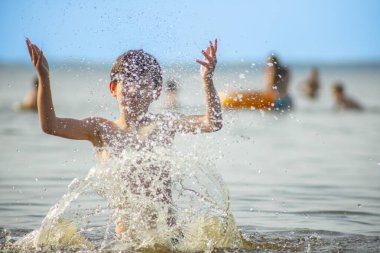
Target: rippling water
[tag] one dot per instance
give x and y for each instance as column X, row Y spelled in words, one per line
column 308, row 179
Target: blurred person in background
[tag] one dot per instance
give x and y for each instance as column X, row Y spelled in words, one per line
column 276, row 81
column 171, row 88
column 29, row 103
column 310, row 86
column 342, row 101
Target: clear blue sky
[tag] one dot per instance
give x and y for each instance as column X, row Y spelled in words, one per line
column 299, row 30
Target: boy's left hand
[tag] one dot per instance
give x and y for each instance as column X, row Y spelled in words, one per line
column 209, row 62
column 38, row 59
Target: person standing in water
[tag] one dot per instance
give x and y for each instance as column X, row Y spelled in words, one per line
column 342, row 101
column 310, row 86
column 29, row 103
column 136, row 81
column 276, row 81
column 171, row 89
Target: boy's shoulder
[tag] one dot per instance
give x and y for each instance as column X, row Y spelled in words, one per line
column 99, row 123
column 96, row 120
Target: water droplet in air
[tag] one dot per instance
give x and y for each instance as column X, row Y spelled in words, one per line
column 251, row 209
column 36, row 179
column 359, row 205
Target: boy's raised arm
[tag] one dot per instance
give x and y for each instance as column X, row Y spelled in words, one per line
column 212, row 120
column 67, row 128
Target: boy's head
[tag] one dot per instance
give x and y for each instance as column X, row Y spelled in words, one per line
column 136, row 67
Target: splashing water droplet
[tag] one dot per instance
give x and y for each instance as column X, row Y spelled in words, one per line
column 359, row 205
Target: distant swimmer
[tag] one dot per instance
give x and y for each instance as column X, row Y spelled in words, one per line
column 171, row 88
column 274, row 95
column 283, row 100
column 29, row 103
column 276, row 79
column 310, row 86
column 342, row 102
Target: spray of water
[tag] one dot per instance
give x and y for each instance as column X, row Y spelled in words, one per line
column 149, row 200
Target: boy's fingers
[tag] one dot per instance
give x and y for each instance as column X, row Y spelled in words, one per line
column 29, row 49
column 212, row 50
column 38, row 58
column 216, row 45
column 33, row 55
column 206, row 55
column 38, row 53
column 202, row 63
column 37, row 49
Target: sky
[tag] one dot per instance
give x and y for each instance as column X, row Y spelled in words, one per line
column 176, row 31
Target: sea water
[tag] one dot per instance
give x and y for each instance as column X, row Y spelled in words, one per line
column 302, row 181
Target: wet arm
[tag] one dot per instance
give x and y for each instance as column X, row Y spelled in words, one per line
column 212, row 119
column 50, row 124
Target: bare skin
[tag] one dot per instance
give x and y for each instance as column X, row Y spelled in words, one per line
column 131, row 122
column 133, row 127
column 342, row 102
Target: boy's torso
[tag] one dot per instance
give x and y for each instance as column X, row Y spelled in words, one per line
column 154, row 130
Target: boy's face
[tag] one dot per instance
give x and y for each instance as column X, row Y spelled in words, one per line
column 133, row 97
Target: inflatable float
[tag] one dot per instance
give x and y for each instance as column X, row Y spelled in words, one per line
column 247, row 99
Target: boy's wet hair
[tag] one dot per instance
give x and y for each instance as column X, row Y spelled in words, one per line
column 136, row 66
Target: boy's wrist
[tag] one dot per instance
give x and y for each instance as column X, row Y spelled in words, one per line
column 207, row 78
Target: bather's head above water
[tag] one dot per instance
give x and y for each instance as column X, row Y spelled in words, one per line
column 136, row 81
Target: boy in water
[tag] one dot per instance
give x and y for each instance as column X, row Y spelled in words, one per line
column 136, row 81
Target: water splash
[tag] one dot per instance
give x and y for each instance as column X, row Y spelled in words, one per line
column 157, row 200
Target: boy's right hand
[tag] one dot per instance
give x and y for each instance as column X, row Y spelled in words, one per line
column 209, row 62
column 38, row 59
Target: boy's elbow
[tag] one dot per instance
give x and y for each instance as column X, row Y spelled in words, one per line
column 217, row 126
column 48, row 129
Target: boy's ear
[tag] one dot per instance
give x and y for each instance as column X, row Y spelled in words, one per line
column 112, row 88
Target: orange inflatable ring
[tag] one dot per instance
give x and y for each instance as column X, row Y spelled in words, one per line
column 247, row 99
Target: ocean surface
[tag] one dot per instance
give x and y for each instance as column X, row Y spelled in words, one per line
column 309, row 177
